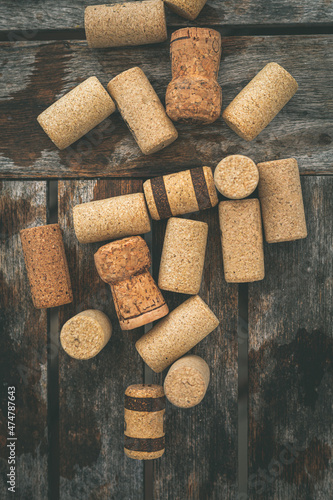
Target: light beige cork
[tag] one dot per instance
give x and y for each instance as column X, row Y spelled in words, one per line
column 236, row 177
column 76, row 113
column 85, row 335
column 242, row 241
column 186, row 382
column 176, row 334
column 190, row 9
column 111, row 218
column 126, row 23
column 260, row 101
column 183, row 256
column 142, row 111
column 281, row 201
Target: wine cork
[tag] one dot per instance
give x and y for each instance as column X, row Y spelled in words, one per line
column 176, row 334
column 193, row 95
column 144, row 437
column 111, row 218
column 242, row 242
column 190, row 9
column 180, row 193
column 281, row 201
column 76, row 113
column 142, row 111
column 46, row 264
column 236, row 177
column 186, row 382
column 260, row 101
column 85, row 335
column 183, row 256
column 126, row 23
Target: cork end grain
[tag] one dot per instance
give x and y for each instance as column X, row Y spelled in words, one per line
column 189, row 9
column 236, row 177
column 210, row 186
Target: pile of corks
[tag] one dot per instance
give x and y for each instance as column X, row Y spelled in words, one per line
column 195, row 96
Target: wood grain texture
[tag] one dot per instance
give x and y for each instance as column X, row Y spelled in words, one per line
column 34, row 74
column 92, row 460
column 291, row 361
column 23, row 331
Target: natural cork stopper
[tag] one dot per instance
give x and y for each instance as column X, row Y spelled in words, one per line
column 85, row 335
column 176, row 334
column 183, row 256
column 46, row 264
column 236, row 177
column 142, row 111
column 76, row 113
column 186, row 382
column 260, row 101
column 194, row 95
column 190, row 9
column 281, row 201
column 242, row 241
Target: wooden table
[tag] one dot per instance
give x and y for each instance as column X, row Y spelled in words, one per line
column 69, row 414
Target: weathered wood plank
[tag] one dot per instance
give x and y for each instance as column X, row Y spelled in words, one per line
column 291, row 361
column 23, row 354
column 92, row 461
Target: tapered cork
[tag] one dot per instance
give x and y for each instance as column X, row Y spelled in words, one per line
column 85, row 335
column 186, row 382
column 180, row 193
column 111, row 218
column 144, row 421
column 76, row 113
column 142, row 111
column 127, row 23
column 190, row 9
column 236, row 177
column 281, row 201
column 176, row 334
column 242, row 241
column 194, row 95
column 183, row 256
column 260, row 101
column 46, row 264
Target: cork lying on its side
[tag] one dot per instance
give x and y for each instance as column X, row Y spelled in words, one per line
column 190, row 9
column 281, row 201
column 260, row 101
column 46, row 264
column 236, row 177
column 76, row 113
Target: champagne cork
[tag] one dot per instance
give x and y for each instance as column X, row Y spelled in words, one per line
column 111, row 218
column 46, row 264
column 242, row 242
column 144, row 421
column 193, row 95
column 260, row 101
column 236, row 177
column 183, row 256
column 181, row 193
column 142, row 111
column 186, row 382
column 124, row 265
column 76, row 113
column 190, row 9
column 126, row 23
column 85, row 335
column 176, row 334
column 281, row 201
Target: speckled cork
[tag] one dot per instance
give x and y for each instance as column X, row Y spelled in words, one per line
column 236, row 177
column 260, row 101
column 126, row 23
column 46, row 264
column 190, row 9
column 144, row 421
column 281, row 201
column 186, row 382
column 183, row 256
column 180, row 193
column 76, row 113
column 112, row 218
column 85, row 335
column 242, row 241
column 193, row 95
column 176, row 334
column 142, row 111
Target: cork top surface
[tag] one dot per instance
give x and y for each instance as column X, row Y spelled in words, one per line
column 236, row 176
column 189, row 9
column 144, row 391
column 195, row 33
column 185, row 387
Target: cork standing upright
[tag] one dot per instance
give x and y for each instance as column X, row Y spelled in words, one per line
column 190, row 9
column 236, row 177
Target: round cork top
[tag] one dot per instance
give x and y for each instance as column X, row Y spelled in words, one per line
column 186, row 383
column 236, row 177
column 144, row 391
column 194, row 33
